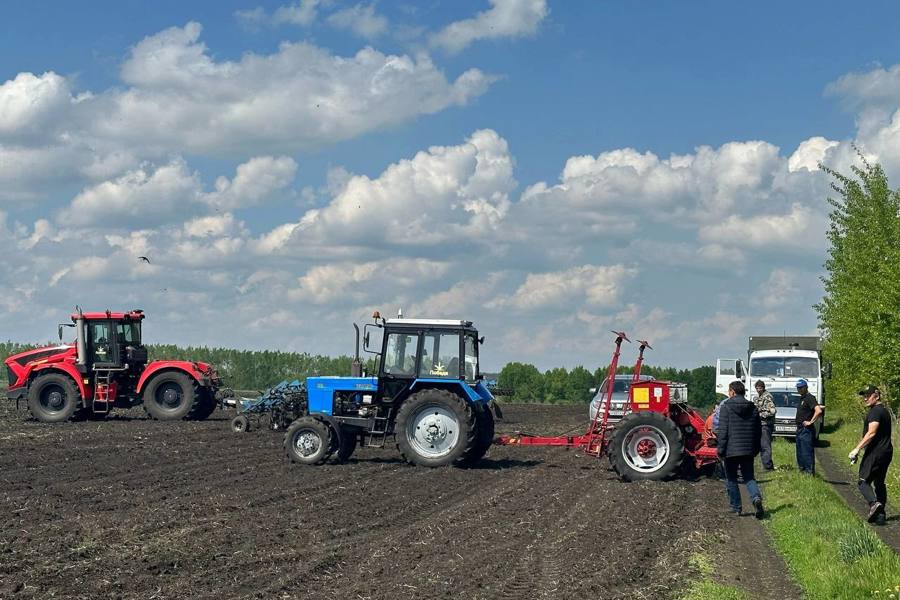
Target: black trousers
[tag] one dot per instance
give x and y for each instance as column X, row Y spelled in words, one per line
column 872, row 473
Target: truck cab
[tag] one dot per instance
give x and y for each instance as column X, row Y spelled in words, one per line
column 779, row 361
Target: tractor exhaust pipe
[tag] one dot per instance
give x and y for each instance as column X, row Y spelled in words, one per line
column 356, row 365
column 80, row 345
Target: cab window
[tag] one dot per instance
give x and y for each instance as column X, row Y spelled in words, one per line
column 100, row 341
column 440, row 356
column 400, row 354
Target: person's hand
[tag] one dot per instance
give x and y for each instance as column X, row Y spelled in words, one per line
column 807, row 423
column 853, row 454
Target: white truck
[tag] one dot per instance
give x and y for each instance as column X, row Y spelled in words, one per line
column 780, row 361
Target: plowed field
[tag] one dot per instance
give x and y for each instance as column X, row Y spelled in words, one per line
column 133, row 508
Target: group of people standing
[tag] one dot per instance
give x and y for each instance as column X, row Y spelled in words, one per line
column 744, row 429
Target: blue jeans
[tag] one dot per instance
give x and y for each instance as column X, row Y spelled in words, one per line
column 744, row 464
column 806, row 452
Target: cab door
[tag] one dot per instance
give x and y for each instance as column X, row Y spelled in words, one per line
column 399, row 364
column 102, row 345
column 728, row 370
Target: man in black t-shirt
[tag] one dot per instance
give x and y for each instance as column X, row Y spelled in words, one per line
column 879, row 452
column 808, row 412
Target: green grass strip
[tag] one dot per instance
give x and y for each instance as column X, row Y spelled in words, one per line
column 705, row 588
column 829, row 550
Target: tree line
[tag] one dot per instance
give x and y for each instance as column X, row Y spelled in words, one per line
column 261, row 369
column 523, row 382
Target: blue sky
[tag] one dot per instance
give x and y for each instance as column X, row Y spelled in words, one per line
column 551, row 210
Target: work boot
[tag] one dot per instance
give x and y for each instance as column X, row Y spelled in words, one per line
column 875, row 509
column 758, row 505
column 880, row 519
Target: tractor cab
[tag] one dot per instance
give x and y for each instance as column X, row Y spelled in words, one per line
column 420, row 350
column 108, row 340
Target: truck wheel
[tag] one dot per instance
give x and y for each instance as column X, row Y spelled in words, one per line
column 484, row 436
column 308, row 441
column 170, row 396
column 435, row 428
column 240, row 424
column 53, row 398
column 646, row 446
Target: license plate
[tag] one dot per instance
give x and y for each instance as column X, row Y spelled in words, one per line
column 784, row 428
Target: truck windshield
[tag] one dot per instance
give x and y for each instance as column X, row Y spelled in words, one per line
column 784, row 366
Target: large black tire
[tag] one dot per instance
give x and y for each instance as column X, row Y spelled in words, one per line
column 484, row 436
column 171, row 396
column 646, row 446
column 347, row 445
column 53, row 398
column 205, row 405
column 435, row 428
column 308, row 441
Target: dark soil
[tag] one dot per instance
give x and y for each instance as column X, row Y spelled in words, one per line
column 134, row 508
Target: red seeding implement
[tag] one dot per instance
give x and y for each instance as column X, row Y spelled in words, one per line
column 105, row 367
column 658, row 433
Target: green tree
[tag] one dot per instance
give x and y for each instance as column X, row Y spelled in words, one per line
column 580, row 383
column 860, row 313
column 556, row 386
column 525, row 381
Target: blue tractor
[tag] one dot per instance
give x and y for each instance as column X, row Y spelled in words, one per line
column 427, row 395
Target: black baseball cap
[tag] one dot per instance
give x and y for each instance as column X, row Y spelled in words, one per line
column 868, row 390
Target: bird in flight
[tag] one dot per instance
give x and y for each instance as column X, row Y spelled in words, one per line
column 145, row 259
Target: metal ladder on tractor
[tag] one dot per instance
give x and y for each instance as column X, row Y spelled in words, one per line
column 102, row 382
column 377, row 436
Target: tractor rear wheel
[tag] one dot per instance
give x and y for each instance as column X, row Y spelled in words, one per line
column 205, row 405
column 170, row 396
column 435, row 428
column 308, row 441
column 646, row 446
column 484, row 436
column 53, row 398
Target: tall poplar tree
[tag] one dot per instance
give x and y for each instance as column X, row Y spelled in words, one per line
column 860, row 313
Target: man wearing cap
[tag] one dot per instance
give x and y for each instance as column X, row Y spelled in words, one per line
column 879, row 452
column 808, row 412
column 765, row 404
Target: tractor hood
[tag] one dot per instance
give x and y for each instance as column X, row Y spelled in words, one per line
column 45, row 353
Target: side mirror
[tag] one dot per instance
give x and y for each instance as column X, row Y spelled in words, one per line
column 826, row 370
column 372, row 338
column 60, row 328
column 481, row 340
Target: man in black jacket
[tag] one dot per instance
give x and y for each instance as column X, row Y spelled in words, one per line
column 738, row 444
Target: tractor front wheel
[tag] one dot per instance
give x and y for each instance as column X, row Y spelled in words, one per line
column 170, row 396
column 646, row 446
column 435, row 428
column 53, row 398
column 308, row 441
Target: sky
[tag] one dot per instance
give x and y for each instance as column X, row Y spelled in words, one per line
column 549, row 170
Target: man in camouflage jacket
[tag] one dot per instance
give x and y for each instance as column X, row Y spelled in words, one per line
column 766, row 407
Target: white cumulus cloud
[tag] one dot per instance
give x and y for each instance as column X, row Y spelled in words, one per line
column 504, row 19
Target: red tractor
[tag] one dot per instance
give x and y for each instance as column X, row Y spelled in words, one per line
column 107, row 367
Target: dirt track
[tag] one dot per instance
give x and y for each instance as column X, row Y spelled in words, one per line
column 134, row 508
